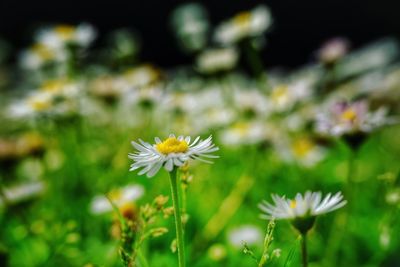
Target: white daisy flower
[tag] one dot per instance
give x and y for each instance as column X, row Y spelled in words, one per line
column 170, row 153
column 302, row 210
column 309, row 205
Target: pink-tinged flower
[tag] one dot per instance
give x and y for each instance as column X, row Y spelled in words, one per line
column 333, row 50
column 351, row 118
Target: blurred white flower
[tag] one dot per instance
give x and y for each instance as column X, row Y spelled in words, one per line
column 59, row 36
column 246, row 24
column 350, row 118
column 38, row 102
column 53, row 97
column 284, row 97
column 244, row 133
column 302, row 150
column 140, row 76
column 245, row 234
column 251, row 101
column 22, row 192
column 373, row 56
column 211, row 119
column 169, row 153
column 333, row 50
column 191, row 26
column 145, row 96
column 217, row 59
column 39, row 55
column 119, row 197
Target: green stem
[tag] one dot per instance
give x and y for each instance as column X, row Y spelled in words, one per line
column 142, row 260
column 351, row 176
column 304, row 249
column 178, row 217
column 255, row 62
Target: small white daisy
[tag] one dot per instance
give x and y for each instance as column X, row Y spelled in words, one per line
column 169, row 153
column 309, row 205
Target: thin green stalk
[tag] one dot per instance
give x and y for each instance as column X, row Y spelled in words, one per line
column 178, row 217
column 142, row 259
column 255, row 62
column 267, row 243
column 304, row 249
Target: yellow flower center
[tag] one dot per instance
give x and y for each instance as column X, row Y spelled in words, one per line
column 128, row 210
column 349, row 115
column 65, row 31
column 172, row 145
column 39, row 104
column 280, row 93
column 42, row 51
column 293, row 204
column 115, row 195
column 302, row 147
column 52, row 86
column 242, row 19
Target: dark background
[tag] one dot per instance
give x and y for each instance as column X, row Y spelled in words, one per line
column 300, row 26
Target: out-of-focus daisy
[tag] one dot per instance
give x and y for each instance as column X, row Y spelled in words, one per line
column 61, row 35
column 195, row 102
column 248, row 234
column 302, row 150
column 251, row 103
column 169, row 153
column 245, row 133
column 246, row 24
column 61, row 88
column 333, row 50
column 372, row 57
column 351, row 118
column 22, row 192
column 39, row 102
column 145, row 96
column 54, row 97
column 39, row 55
column 107, row 87
column 29, row 144
column 303, row 209
column 212, row 118
column 284, row 97
column 191, row 25
column 141, row 76
column 122, row 198
column 217, row 60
